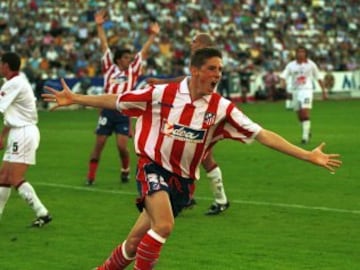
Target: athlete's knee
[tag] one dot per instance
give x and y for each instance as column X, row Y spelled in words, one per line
column 4, row 177
column 132, row 244
column 209, row 162
column 164, row 227
column 304, row 117
column 123, row 150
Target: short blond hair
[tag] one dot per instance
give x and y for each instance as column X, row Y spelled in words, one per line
column 205, row 39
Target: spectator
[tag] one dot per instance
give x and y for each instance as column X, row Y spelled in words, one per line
column 270, row 80
column 270, row 29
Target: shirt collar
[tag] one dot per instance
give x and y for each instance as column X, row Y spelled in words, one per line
column 184, row 89
column 302, row 62
column 12, row 75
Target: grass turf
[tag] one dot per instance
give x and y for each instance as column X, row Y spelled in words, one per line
column 285, row 214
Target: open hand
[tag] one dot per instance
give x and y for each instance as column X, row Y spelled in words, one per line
column 62, row 97
column 329, row 161
column 100, row 17
column 154, row 28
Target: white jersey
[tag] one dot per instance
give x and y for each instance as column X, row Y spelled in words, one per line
column 18, row 102
column 300, row 76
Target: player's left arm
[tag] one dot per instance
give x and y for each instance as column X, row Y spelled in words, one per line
column 323, row 89
column 317, row 76
column 316, row 156
column 100, row 18
column 154, row 31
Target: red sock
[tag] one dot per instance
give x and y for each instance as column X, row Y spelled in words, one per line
column 93, row 165
column 117, row 260
column 148, row 251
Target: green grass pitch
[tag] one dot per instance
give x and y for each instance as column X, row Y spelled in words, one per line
column 285, row 214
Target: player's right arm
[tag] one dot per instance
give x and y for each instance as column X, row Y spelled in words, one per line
column 283, row 77
column 3, row 135
column 282, row 84
column 131, row 103
column 100, row 18
column 66, row 97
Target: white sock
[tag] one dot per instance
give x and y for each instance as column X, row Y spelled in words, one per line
column 27, row 192
column 156, row 236
column 4, row 196
column 216, row 182
column 288, row 104
column 124, row 253
column 306, row 130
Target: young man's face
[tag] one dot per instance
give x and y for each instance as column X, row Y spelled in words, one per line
column 207, row 77
column 300, row 54
column 124, row 61
column 3, row 68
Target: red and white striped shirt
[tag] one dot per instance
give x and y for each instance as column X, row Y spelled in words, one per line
column 118, row 81
column 176, row 132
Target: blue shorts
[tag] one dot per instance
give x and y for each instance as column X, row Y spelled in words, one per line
column 156, row 179
column 112, row 121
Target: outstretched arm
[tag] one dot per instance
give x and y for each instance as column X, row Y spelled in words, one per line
column 100, row 18
column 154, row 30
column 316, row 156
column 65, row 98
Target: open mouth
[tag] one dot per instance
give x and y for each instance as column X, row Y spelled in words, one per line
column 213, row 84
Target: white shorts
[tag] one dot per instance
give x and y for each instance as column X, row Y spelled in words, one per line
column 302, row 99
column 22, row 144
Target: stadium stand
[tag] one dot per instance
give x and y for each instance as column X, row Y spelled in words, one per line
column 58, row 38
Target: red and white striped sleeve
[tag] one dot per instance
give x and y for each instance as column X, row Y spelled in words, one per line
column 107, row 61
column 136, row 64
column 236, row 126
column 134, row 103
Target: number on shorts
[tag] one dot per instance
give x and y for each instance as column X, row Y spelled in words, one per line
column 15, row 147
column 102, row 121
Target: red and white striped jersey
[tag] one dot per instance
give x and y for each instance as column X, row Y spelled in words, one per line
column 176, row 132
column 118, row 81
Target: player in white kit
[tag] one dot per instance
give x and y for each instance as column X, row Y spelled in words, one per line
column 17, row 103
column 300, row 75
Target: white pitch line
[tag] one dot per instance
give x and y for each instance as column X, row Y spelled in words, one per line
column 282, row 205
column 299, row 206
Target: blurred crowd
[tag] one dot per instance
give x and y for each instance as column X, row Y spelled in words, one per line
column 59, row 39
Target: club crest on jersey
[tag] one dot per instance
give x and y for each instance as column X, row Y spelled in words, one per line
column 119, row 79
column 183, row 133
column 209, row 118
